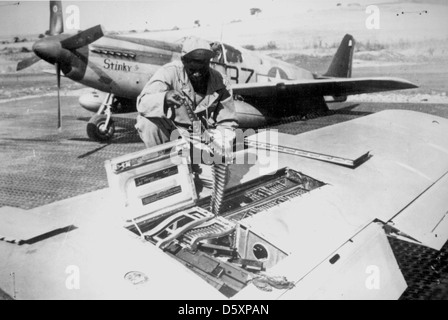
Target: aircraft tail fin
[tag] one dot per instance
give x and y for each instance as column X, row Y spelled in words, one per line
column 56, row 18
column 341, row 66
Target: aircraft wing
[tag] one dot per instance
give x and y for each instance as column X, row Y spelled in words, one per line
column 406, row 174
column 323, row 87
column 335, row 236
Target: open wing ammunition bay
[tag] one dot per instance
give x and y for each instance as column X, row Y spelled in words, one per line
column 161, row 205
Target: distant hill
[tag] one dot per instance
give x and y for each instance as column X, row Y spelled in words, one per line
column 440, row 2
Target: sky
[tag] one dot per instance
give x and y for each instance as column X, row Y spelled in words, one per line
column 31, row 17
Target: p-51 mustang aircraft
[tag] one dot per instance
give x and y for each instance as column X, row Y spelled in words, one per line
column 314, row 225
column 265, row 89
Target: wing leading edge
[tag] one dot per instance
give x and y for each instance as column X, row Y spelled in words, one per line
column 323, row 87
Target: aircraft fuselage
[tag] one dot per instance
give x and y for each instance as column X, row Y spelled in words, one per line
column 123, row 66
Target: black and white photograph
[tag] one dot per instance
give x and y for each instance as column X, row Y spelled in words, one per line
column 228, row 151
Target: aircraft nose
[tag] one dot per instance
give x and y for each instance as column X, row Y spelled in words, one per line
column 50, row 51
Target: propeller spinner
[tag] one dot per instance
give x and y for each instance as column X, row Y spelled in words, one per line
column 58, row 50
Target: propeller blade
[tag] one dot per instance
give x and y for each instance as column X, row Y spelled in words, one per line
column 58, row 76
column 83, row 38
column 28, row 62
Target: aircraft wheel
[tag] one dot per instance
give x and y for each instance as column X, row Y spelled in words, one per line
column 96, row 128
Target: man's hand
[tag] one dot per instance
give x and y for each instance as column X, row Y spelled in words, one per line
column 174, row 99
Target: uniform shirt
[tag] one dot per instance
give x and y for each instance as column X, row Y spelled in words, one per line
column 217, row 104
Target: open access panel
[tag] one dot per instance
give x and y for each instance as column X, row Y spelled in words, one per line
column 161, row 205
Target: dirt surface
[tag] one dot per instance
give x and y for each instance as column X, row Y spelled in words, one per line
column 20, row 85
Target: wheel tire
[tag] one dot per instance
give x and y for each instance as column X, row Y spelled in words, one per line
column 95, row 129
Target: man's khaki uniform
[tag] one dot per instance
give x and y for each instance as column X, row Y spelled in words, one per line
column 155, row 123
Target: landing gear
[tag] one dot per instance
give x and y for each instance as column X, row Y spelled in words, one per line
column 101, row 127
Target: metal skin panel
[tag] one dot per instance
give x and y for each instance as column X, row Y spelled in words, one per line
column 250, row 240
column 152, row 182
column 102, row 251
column 364, row 267
column 18, row 225
column 431, row 227
column 309, row 229
column 408, row 155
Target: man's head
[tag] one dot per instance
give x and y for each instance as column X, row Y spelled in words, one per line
column 196, row 55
